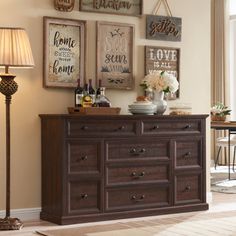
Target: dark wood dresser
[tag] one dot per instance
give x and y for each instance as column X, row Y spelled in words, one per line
column 108, row 167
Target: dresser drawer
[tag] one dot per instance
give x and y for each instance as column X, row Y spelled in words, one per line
column 137, row 174
column 136, row 149
column 168, row 127
column 188, row 188
column 137, row 197
column 84, row 156
column 102, row 128
column 84, row 197
column 188, row 153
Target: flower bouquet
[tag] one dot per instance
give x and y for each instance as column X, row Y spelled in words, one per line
column 160, row 81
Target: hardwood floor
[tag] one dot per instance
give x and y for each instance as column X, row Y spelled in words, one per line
column 223, row 207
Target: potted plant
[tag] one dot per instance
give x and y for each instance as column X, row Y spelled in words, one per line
column 219, row 112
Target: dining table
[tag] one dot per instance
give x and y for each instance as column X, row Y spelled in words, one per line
column 229, row 126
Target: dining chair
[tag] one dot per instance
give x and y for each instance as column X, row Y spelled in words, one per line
column 222, row 142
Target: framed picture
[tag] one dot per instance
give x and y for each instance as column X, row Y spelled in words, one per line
column 163, row 59
column 163, row 28
column 115, row 43
column 64, row 52
column 127, row 7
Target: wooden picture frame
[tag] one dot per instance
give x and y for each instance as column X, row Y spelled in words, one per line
column 118, row 7
column 115, row 48
column 64, row 52
column 163, row 28
column 163, row 59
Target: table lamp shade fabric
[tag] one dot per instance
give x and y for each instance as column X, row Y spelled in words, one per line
column 15, row 50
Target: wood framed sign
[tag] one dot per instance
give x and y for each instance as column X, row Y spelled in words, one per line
column 64, row 5
column 115, row 43
column 64, row 52
column 121, row 7
column 163, row 59
column 164, row 28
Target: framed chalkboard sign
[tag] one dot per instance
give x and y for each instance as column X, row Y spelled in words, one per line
column 164, row 28
column 120, row 7
column 115, row 55
column 64, row 52
column 163, row 59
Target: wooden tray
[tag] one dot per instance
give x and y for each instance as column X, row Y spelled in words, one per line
column 94, row 110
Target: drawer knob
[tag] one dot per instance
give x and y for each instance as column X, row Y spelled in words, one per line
column 133, row 151
column 84, row 196
column 133, row 174
column 83, row 158
column 142, row 174
column 187, row 188
column 84, row 127
column 155, row 127
column 187, row 155
column 122, row 127
column 140, row 199
column 188, row 126
column 143, row 150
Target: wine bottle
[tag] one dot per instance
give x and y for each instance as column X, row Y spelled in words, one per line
column 78, row 94
column 91, row 91
column 101, row 99
column 87, row 100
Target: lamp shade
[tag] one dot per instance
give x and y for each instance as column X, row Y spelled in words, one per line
column 15, row 50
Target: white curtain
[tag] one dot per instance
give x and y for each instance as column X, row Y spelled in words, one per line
column 220, row 61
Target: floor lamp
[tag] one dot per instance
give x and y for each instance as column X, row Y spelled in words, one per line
column 15, row 51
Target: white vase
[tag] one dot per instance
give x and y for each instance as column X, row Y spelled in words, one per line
column 158, row 99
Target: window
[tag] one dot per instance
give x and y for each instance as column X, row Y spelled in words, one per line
column 232, row 64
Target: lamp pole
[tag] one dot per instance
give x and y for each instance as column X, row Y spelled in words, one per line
column 8, row 87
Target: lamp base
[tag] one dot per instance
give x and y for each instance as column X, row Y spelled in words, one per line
column 9, row 223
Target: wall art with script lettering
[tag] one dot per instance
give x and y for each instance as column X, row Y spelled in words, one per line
column 163, row 59
column 64, row 5
column 164, row 28
column 121, row 7
column 64, row 52
column 115, row 55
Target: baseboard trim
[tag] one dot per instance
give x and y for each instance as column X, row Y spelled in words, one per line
column 209, row 197
column 24, row 214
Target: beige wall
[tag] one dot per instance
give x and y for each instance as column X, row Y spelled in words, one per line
column 32, row 99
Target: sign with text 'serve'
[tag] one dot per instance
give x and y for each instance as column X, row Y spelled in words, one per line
column 121, row 7
column 164, row 28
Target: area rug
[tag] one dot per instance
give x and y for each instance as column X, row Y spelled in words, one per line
column 186, row 224
column 220, row 182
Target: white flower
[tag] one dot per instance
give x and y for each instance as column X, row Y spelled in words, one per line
column 161, row 81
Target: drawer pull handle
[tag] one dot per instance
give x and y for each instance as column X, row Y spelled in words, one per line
column 155, row 127
column 187, row 188
column 188, row 154
column 188, row 126
column 141, row 199
column 84, row 158
column 143, row 150
column 84, row 196
column 85, row 128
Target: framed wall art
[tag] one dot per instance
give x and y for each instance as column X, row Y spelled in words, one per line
column 163, row 59
column 120, row 7
column 64, row 52
column 115, row 44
